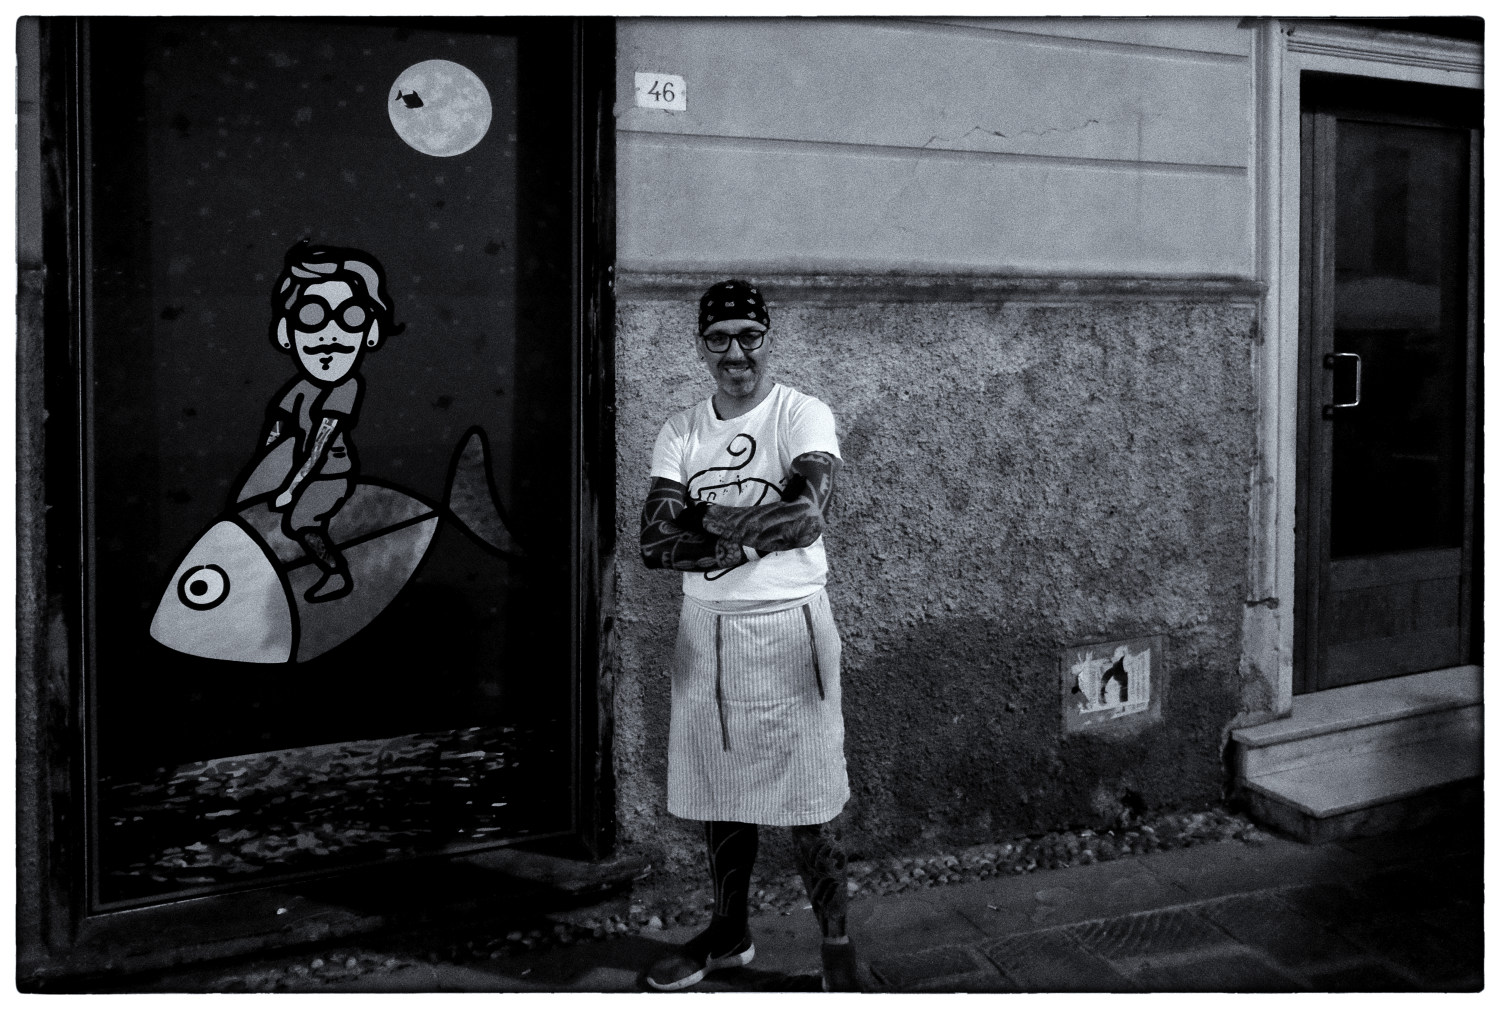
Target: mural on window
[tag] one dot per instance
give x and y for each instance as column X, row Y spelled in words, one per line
column 275, row 579
column 327, row 433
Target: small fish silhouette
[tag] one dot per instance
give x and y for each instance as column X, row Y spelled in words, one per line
column 411, row 100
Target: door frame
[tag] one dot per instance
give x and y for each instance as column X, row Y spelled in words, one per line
column 59, row 938
column 1315, row 577
column 1283, row 49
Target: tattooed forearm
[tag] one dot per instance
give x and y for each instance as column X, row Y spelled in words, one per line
column 326, row 427
column 665, row 544
column 816, row 470
column 795, row 521
column 766, row 528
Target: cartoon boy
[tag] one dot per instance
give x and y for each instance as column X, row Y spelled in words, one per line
column 329, row 306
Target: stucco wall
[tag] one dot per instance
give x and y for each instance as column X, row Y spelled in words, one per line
column 1021, row 476
column 1038, row 456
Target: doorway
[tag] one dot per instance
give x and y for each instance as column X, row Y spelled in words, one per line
column 1388, row 412
column 407, row 671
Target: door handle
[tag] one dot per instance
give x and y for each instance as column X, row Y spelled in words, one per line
column 1332, row 361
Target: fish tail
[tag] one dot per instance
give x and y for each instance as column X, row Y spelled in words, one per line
column 472, row 498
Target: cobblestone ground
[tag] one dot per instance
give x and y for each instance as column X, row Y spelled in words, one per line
column 659, row 903
column 1388, row 914
column 1199, row 901
column 1408, row 930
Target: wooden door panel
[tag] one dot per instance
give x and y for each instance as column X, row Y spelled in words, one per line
column 1393, row 614
column 1419, row 565
column 1387, row 610
column 1379, row 658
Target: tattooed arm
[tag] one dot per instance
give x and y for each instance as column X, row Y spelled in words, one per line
column 666, row 544
column 794, row 521
column 327, row 425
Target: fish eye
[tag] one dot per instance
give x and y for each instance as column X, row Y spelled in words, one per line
column 203, row 587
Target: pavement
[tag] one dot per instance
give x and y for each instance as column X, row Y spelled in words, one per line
column 1397, row 912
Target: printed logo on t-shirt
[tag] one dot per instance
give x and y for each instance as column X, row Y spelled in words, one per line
column 727, row 485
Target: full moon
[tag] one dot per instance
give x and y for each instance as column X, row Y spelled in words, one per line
column 439, row 108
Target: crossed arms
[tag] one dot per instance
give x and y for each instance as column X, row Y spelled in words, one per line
column 705, row 537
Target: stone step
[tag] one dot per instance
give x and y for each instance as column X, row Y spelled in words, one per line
column 1362, row 716
column 1253, row 762
column 1364, row 758
column 1372, row 793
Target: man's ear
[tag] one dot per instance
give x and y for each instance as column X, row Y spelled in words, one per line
column 283, row 338
column 372, row 339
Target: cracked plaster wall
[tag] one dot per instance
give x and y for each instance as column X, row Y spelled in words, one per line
column 1019, row 478
column 1107, row 146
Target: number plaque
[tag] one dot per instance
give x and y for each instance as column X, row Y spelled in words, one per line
column 661, row 91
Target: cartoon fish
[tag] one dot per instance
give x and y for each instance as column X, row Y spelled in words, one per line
column 238, row 594
column 411, row 101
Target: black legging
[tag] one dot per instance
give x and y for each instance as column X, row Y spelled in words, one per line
column 731, row 856
column 821, row 862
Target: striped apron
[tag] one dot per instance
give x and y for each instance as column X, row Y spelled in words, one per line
column 757, row 732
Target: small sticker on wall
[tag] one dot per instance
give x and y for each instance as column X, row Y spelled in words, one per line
column 1112, row 683
column 661, row 91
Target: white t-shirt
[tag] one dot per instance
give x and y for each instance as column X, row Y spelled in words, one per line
column 748, row 461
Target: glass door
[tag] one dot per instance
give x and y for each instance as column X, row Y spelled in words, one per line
column 329, row 445
column 1391, row 338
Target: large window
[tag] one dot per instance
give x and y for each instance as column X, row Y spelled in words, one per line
column 328, row 606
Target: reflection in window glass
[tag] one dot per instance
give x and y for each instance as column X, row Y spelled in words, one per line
column 1400, row 289
column 285, row 685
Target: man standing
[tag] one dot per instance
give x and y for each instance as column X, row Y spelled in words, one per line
column 740, row 485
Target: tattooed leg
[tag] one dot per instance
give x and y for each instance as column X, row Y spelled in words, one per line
column 335, row 582
column 726, row 942
column 731, row 856
column 321, row 549
column 824, row 868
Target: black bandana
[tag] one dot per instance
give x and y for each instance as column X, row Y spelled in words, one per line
column 732, row 299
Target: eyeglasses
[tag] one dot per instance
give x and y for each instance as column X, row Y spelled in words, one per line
column 719, row 342
column 311, row 312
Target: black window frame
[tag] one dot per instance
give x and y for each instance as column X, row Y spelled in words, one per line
column 62, row 937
